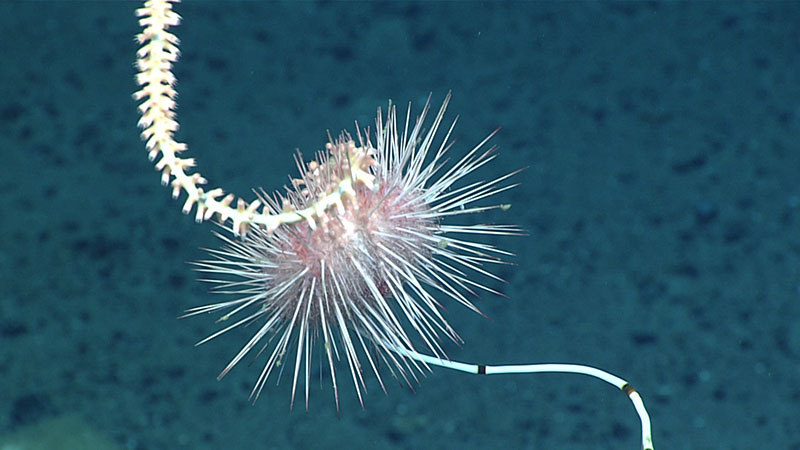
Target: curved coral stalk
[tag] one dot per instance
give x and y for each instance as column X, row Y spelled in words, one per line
column 158, row 52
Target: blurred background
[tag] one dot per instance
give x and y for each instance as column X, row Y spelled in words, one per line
column 660, row 199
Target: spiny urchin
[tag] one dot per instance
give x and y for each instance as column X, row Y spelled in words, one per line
column 364, row 268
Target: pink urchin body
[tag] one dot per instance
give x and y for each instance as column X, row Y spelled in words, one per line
column 362, row 271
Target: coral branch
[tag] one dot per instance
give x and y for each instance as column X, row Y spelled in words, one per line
column 158, row 52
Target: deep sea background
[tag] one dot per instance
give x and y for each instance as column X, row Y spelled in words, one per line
column 661, row 201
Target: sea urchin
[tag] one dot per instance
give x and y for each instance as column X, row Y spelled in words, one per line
column 363, row 268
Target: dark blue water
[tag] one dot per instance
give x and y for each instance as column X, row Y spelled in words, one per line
column 661, row 203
